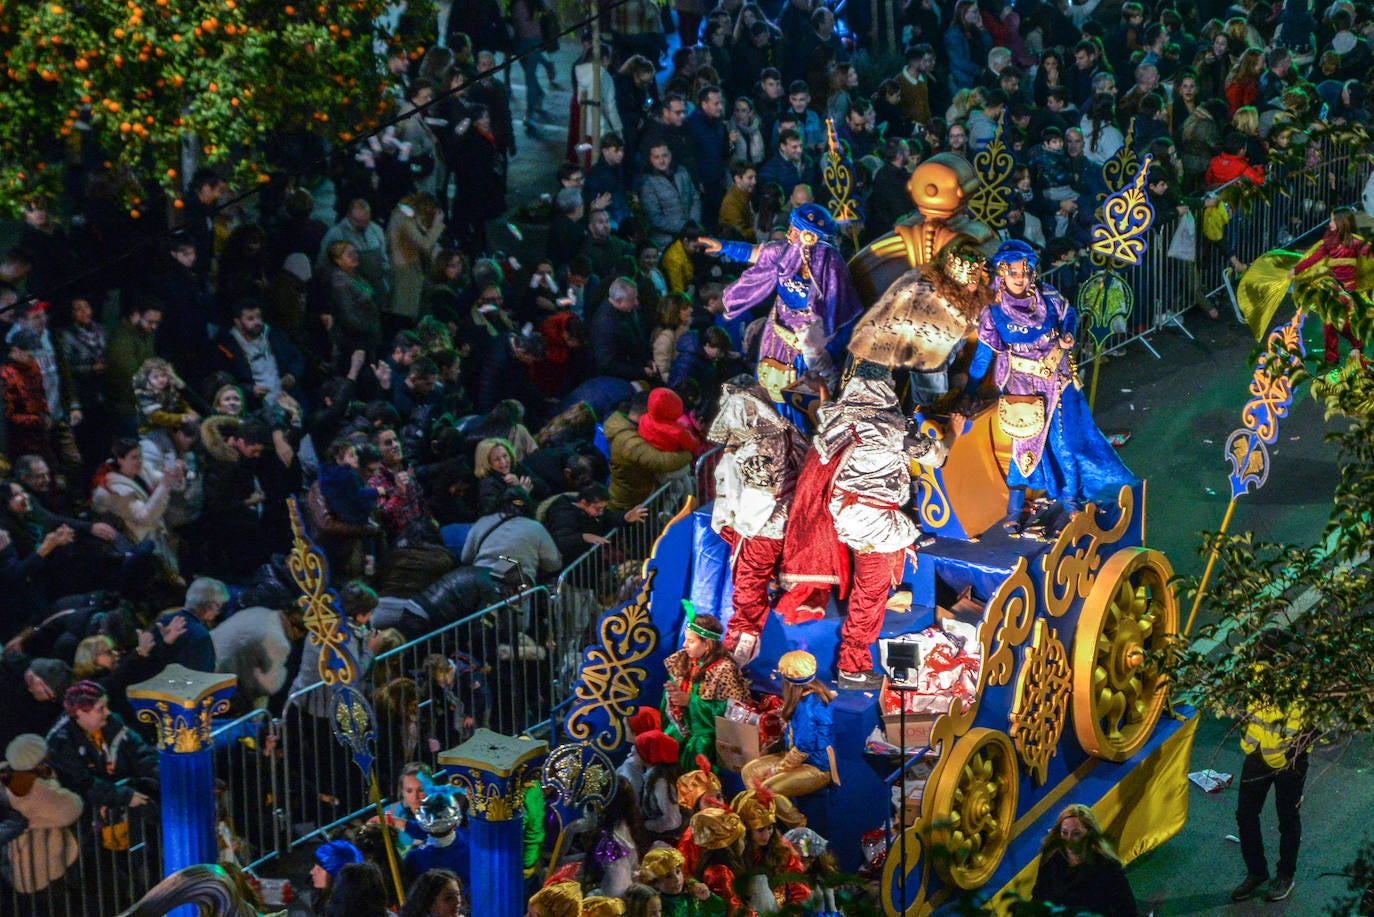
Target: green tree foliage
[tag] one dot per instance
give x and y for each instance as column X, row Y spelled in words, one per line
column 139, row 78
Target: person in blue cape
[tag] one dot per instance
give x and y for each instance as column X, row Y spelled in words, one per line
column 1027, row 337
column 816, row 306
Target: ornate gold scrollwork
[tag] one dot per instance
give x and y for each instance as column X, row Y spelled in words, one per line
column 611, row 678
column 310, row 569
column 838, row 176
column 994, row 165
column 1070, row 576
column 1043, row 689
column 1126, row 217
column 181, row 729
column 489, row 798
column 1014, row 605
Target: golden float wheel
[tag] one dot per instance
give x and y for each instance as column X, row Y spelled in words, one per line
column 974, row 806
column 1118, row 692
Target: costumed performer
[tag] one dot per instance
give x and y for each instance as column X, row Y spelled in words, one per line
column 702, row 679
column 806, row 765
column 815, row 305
column 561, row 899
column 1027, row 335
column 849, row 527
column 765, row 850
column 1340, row 251
column 755, row 478
column 444, row 817
column 661, row 870
column 923, row 320
column 602, row 906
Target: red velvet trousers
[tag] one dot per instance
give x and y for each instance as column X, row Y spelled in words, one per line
column 756, row 563
column 875, row 573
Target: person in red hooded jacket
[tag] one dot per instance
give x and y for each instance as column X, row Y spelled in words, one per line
column 1231, row 163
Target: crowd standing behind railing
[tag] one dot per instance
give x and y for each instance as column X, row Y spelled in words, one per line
column 419, row 390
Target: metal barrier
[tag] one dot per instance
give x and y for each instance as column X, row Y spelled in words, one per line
column 704, row 474
column 37, row 879
column 247, row 756
column 1166, row 287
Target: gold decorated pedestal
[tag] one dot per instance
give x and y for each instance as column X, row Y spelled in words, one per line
column 492, row 770
column 182, row 703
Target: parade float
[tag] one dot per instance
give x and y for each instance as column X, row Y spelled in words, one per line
column 1023, row 668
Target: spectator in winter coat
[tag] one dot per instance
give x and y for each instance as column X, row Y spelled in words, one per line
column 788, row 167
column 512, row 533
column 97, row 756
column 579, row 521
column 1231, row 163
column 636, row 466
column 41, row 855
column 194, row 649
column 712, row 140
column 33, row 690
column 668, row 196
column 619, row 341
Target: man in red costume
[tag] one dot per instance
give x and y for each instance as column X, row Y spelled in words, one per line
column 849, row 527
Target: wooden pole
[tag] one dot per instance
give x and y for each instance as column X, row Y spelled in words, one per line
column 1211, row 562
column 375, row 792
column 1092, row 389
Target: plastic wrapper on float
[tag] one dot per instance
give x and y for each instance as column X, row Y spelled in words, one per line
column 712, row 589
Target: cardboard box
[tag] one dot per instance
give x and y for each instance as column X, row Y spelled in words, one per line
column 918, row 726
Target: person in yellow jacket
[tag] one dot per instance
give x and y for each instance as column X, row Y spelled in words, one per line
column 1275, row 745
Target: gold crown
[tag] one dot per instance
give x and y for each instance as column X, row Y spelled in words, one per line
column 964, row 266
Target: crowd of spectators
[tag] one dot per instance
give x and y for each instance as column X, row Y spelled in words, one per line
column 454, row 423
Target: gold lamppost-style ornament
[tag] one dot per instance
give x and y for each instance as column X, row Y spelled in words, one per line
column 994, row 165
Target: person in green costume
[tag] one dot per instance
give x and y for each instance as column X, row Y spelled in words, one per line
column 661, row 870
column 702, row 679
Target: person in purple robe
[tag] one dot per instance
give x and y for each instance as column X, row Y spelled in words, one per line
column 1027, row 336
column 816, row 305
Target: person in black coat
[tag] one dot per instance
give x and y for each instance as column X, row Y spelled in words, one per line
column 578, row 521
column 619, row 341
column 263, row 368
column 889, row 200
column 1079, row 871
column 505, row 374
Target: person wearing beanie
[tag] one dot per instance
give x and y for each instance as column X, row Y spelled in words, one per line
column 661, row 426
column 805, row 767
column 101, row 759
column 32, row 689
column 636, row 466
column 702, row 680
column 330, row 859
column 849, row 525
column 39, row 857
column 658, row 799
column 680, row 896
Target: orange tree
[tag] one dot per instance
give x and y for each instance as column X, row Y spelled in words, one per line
column 142, row 78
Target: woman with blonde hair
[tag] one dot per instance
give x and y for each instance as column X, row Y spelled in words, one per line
column 94, row 657
column 1246, row 122
column 495, row 466
column 963, row 103
column 1079, row 871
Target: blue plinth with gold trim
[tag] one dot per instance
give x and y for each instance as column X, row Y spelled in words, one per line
column 493, row 770
column 182, row 703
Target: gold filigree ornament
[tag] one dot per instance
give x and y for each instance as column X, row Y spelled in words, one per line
column 181, row 730
column 1119, row 690
column 489, row 798
column 1014, row 605
column 932, row 504
column 1070, row 566
column 1127, row 216
column 994, row 165
column 1043, row 689
column 323, row 619
column 1121, row 164
column 838, row 177
column 611, row 676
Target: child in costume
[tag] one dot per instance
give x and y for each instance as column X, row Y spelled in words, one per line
column 658, row 800
column 661, row 870
column 815, row 305
column 1339, row 250
column 1027, row 335
column 805, row 766
column 755, row 479
column 443, row 816
column 614, row 857
column 702, row 679
column 561, row 899
column 766, row 852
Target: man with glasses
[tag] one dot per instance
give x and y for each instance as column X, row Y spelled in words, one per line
column 669, row 129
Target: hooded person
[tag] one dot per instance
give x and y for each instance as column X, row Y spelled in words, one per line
column 41, row 855
column 661, row 426
column 849, row 526
column 815, row 305
column 1027, row 338
column 755, row 480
